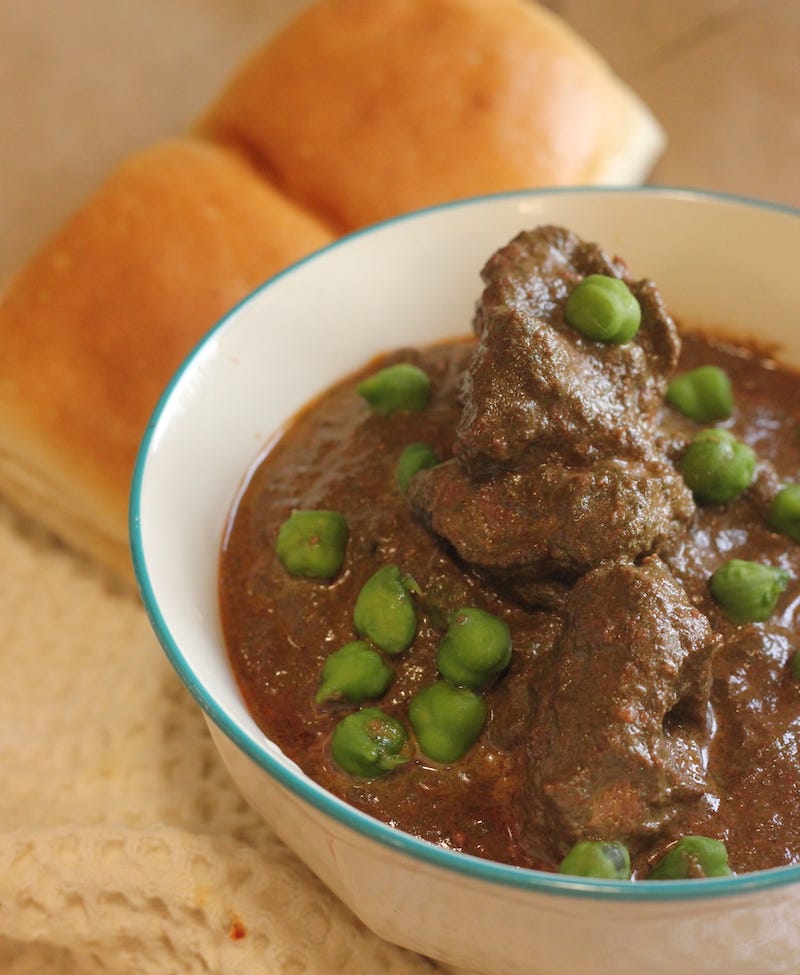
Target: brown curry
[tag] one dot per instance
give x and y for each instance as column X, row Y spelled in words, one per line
column 632, row 708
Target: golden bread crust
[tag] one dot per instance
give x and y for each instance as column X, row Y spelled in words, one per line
column 362, row 110
column 94, row 326
column 357, row 111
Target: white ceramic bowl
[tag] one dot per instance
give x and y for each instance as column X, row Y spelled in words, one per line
column 720, row 262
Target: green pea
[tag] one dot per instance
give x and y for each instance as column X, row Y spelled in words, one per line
column 416, row 457
column 354, row 673
column 703, row 394
column 447, row 720
column 717, row 467
column 784, row 512
column 398, row 388
column 312, row 543
column 475, row 649
column 384, row 612
column 597, row 858
column 369, row 743
column 604, row 309
column 748, row 592
column 693, row 856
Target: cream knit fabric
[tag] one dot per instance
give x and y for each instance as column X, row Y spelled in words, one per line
column 124, row 846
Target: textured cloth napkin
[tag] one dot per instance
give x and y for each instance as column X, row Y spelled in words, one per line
column 124, row 846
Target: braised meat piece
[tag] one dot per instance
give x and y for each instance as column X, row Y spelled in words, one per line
column 541, row 528
column 558, row 461
column 621, row 713
column 535, row 385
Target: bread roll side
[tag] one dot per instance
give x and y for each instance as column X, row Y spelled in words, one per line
column 361, row 110
column 92, row 329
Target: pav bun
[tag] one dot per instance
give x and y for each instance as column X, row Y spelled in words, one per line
column 358, row 110
column 361, row 109
column 93, row 328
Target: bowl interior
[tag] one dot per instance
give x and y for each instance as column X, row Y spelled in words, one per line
column 721, row 263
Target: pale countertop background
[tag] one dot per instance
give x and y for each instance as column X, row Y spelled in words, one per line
column 85, row 82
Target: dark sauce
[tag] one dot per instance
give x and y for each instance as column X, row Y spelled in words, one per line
column 279, row 629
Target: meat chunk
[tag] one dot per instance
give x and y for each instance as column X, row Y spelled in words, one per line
column 559, row 464
column 620, row 723
column 540, row 529
column 536, row 385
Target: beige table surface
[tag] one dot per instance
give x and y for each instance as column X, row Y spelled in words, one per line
column 122, row 843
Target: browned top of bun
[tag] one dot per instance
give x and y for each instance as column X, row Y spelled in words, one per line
column 362, row 109
column 358, row 110
column 92, row 329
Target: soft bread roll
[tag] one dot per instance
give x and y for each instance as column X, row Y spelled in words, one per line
column 358, row 110
column 93, row 328
column 362, row 109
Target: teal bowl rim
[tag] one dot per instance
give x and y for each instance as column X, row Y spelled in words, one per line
column 459, row 864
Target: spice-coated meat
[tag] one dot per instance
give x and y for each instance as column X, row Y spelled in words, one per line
column 559, row 464
column 616, row 744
